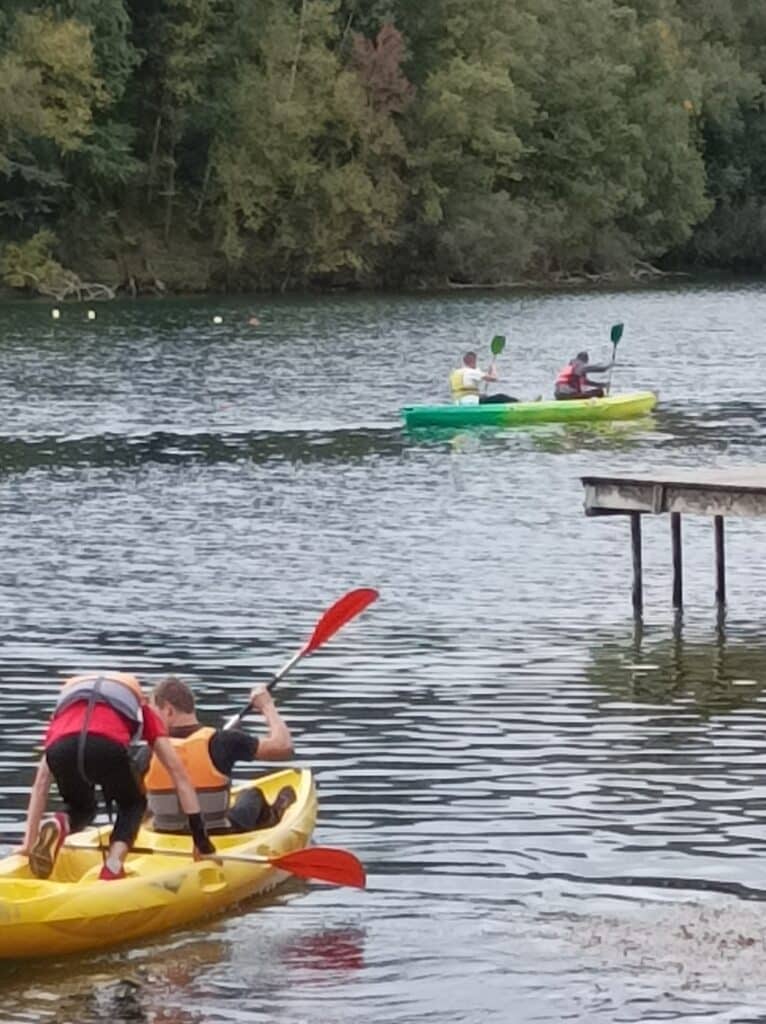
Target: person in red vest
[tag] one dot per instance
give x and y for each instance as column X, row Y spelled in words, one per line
column 573, row 381
column 98, row 716
column 209, row 756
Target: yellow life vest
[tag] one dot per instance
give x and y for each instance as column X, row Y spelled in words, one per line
column 213, row 787
column 458, row 387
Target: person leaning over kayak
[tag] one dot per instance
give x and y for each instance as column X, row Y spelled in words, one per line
column 466, row 380
column 96, row 719
column 209, row 756
column 573, row 382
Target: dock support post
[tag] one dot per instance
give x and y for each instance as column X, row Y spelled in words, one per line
column 720, row 564
column 635, row 539
column 678, row 583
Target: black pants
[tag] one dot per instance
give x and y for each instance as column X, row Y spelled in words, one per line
column 596, row 392
column 496, row 399
column 106, row 764
column 249, row 811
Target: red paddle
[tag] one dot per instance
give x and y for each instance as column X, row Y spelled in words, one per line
column 336, row 616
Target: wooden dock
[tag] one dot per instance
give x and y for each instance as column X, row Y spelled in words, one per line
column 715, row 493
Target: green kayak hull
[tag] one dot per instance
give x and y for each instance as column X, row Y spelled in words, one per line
column 615, row 407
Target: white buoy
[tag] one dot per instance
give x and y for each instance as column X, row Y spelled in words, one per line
column 217, row 319
column 91, row 314
column 55, row 314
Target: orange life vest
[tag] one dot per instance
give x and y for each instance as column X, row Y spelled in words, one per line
column 120, row 690
column 213, row 787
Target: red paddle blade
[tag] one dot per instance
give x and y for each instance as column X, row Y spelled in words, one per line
column 344, row 609
column 323, row 864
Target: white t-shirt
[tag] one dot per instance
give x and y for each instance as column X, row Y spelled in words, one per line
column 471, row 379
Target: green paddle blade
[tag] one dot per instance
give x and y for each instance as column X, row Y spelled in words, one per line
column 497, row 344
column 616, row 333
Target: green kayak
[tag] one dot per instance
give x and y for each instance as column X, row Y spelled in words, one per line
column 615, row 407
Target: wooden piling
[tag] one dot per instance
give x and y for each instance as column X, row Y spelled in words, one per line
column 678, row 582
column 635, row 538
column 720, row 563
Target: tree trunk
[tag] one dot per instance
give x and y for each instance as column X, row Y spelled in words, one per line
column 298, row 46
column 153, row 156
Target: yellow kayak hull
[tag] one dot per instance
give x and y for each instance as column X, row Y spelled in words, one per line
column 73, row 911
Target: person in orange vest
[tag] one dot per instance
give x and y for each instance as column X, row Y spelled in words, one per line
column 98, row 716
column 573, row 382
column 466, row 380
column 209, row 756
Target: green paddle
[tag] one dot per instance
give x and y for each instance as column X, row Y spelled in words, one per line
column 615, row 335
column 496, row 346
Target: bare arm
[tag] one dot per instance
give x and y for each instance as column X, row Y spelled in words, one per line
column 278, row 744
column 38, row 798
column 597, row 368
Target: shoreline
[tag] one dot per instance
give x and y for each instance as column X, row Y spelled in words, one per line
column 585, row 283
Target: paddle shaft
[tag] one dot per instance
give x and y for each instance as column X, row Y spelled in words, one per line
column 614, row 359
column 496, row 347
column 615, row 334
column 318, row 863
column 234, row 721
column 336, row 616
column 243, row 858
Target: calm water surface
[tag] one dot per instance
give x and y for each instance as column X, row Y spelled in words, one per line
column 563, row 819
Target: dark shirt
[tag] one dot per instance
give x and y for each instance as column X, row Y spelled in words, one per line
column 227, row 746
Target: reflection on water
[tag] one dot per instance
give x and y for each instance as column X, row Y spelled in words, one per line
column 547, row 437
column 341, row 949
column 711, row 675
column 173, row 979
column 155, row 987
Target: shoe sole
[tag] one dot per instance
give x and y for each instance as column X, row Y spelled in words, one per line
column 42, row 856
column 285, row 798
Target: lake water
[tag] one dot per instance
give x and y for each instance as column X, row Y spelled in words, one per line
column 563, row 818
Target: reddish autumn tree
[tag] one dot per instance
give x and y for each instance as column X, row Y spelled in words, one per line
column 379, row 65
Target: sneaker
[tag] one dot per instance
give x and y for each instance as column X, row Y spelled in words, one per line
column 107, row 875
column 49, row 841
column 285, row 797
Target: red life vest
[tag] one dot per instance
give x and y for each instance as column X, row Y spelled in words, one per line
column 569, row 378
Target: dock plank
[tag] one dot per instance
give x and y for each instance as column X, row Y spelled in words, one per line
column 707, row 492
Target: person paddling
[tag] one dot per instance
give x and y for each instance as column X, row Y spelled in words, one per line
column 466, row 380
column 209, row 756
column 96, row 719
column 573, row 381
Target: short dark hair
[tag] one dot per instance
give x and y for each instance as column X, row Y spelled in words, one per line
column 469, row 355
column 172, row 691
column 582, row 357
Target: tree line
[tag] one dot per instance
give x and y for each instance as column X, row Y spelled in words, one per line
column 237, row 144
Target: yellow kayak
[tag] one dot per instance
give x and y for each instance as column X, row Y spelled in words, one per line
column 73, row 911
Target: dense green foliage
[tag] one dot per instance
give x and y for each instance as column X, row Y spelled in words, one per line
column 286, row 143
